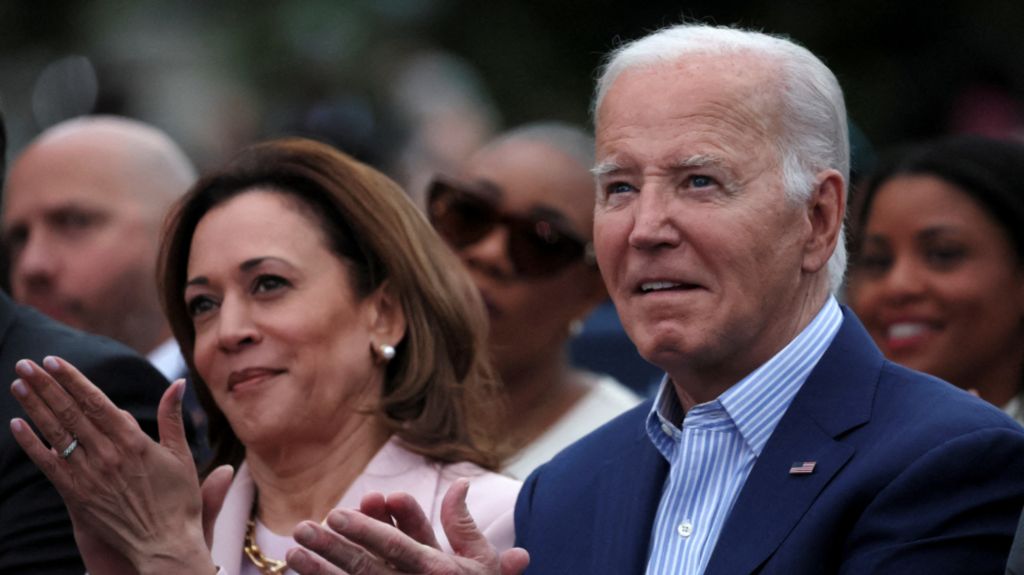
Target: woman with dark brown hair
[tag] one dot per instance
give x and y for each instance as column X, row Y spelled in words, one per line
column 938, row 274
column 337, row 348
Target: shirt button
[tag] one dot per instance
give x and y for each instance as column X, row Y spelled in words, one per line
column 685, row 529
column 667, row 429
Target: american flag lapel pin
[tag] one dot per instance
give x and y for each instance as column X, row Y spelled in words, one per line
column 802, row 468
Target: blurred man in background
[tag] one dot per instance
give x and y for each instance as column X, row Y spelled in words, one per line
column 36, row 534
column 82, row 215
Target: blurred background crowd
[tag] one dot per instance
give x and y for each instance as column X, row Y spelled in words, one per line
column 496, row 92
column 413, row 85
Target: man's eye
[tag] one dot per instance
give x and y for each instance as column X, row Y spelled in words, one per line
column 618, row 188
column 14, row 240
column 73, row 220
column 701, row 181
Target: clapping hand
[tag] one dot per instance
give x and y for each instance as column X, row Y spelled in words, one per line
column 136, row 504
column 391, row 536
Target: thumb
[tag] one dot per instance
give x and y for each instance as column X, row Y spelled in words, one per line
column 514, row 561
column 463, row 535
column 214, row 490
column 171, row 423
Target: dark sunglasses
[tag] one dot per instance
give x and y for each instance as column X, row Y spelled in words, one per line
column 537, row 247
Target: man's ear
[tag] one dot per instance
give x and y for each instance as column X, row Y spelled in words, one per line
column 826, row 208
column 386, row 317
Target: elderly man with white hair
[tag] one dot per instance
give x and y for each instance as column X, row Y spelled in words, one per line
column 781, row 440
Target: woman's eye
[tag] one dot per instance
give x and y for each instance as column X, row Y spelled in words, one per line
column 199, row 305
column 944, row 257
column 873, row 263
column 266, row 283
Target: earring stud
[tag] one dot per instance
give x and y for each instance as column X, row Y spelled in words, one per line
column 387, row 352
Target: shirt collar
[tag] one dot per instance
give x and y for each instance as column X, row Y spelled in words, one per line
column 757, row 402
column 168, row 360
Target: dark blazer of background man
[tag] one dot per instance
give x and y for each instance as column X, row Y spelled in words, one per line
column 35, row 530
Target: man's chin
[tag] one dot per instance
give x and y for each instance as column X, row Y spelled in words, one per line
column 57, row 312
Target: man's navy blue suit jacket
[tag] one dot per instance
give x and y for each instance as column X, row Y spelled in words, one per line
column 912, row 476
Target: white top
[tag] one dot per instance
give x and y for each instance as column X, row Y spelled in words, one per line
column 607, row 399
column 167, row 359
column 1015, row 408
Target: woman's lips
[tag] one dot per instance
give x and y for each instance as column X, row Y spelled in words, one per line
column 250, row 376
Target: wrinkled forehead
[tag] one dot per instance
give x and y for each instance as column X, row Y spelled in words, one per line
column 742, row 84
column 661, row 115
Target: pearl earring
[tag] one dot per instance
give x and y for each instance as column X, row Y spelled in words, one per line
column 387, row 352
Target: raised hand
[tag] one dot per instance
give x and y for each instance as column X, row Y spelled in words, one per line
column 393, row 536
column 132, row 500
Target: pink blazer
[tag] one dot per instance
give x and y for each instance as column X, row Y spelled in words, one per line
column 491, row 499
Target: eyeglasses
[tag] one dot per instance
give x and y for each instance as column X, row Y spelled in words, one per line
column 537, row 247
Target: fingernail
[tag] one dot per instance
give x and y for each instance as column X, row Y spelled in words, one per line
column 337, row 519
column 304, row 533
column 50, row 363
column 17, row 425
column 295, row 557
column 19, row 388
column 24, row 368
column 180, row 393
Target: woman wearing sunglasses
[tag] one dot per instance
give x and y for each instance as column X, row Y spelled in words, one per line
column 520, row 218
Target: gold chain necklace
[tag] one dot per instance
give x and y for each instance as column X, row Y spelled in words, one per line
column 266, row 565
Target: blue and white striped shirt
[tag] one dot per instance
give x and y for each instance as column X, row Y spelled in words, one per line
column 712, row 455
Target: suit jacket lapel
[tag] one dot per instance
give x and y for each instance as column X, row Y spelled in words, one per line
column 630, row 486
column 836, row 397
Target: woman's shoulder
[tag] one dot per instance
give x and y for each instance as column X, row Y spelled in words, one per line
column 490, row 494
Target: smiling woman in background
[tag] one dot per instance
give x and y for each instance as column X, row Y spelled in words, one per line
column 337, row 347
column 938, row 277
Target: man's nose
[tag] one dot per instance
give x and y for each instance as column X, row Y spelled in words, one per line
column 36, row 260
column 653, row 224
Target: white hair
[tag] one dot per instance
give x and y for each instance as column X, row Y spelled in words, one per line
column 814, row 134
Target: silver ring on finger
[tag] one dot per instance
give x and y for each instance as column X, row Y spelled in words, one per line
column 70, row 448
